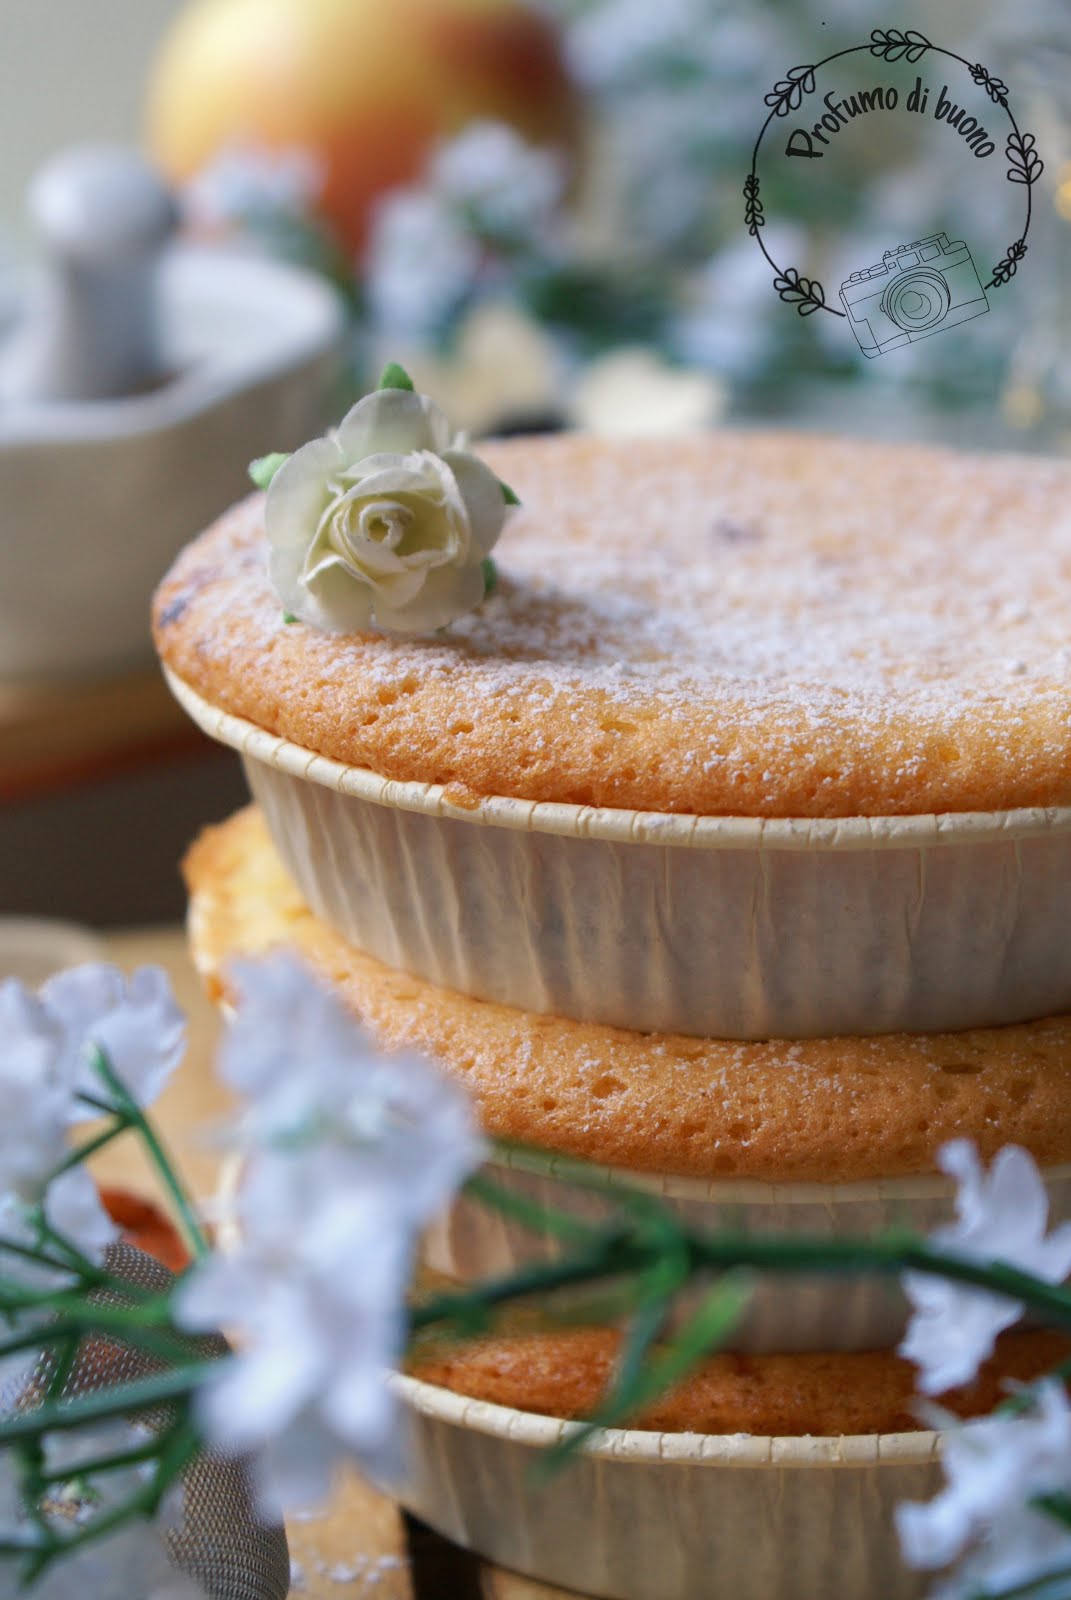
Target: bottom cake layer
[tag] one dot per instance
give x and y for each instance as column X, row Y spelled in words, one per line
column 564, row 1374
column 668, row 1516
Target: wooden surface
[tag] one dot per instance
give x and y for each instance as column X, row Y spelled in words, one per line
column 362, row 1545
column 60, row 734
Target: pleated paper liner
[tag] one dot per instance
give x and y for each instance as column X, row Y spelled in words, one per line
column 723, row 927
column 660, row 1516
column 787, row 1313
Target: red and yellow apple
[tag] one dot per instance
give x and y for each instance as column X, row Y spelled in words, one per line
column 367, row 86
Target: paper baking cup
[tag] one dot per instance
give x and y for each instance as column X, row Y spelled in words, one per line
column 724, row 927
column 786, row 1314
column 663, row 1516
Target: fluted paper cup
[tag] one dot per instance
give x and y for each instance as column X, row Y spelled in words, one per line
column 723, row 927
column 786, row 1314
column 650, row 1516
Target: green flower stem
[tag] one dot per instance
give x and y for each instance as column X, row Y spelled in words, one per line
column 89, row 1272
column 65, row 1358
column 17, row 1293
column 88, row 1321
column 145, row 1305
column 119, row 1400
column 93, row 1102
column 1025, row 1398
column 82, row 1152
column 136, row 1118
column 890, row 1256
column 618, row 1253
column 531, row 1215
column 175, row 1450
column 610, row 1257
column 24, row 1544
column 149, row 1451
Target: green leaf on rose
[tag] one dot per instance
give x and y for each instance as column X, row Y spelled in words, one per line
column 510, row 496
column 395, row 377
column 490, row 576
column 264, row 468
column 289, row 617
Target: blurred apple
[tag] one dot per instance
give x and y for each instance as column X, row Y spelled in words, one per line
column 365, row 86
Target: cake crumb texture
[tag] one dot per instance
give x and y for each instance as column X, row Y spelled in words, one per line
column 754, row 624
column 820, row 1110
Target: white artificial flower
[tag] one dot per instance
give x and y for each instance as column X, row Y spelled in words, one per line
column 310, row 1078
column 347, row 1155
column 243, row 181
column 731, row 320
column 135, row 1021
column 994, row 1468
column 493, row 176
column 1001, row 1216
column 613, row 41
column 315, row 1294
column 384, row 522
column 45, row 1068
column 421, row 263
column 34, row 1091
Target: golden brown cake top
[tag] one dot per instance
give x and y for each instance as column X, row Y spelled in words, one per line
column 822, row 1110
column 759, row 624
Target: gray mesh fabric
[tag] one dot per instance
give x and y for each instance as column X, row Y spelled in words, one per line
column 220, row 1541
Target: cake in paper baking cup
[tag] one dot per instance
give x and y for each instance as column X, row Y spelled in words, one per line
column 656, row 1516
column 759, row 736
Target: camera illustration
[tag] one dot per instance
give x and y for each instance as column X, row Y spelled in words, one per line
column 914, row 291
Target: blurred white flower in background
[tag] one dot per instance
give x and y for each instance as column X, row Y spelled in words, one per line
column 421, row 263
column 507, row 187
column 1001, row 1215
column 616, row 42
column 315, row 1292
column 615, row 252
column 347, row 1157
column 391, row 1127
column 485, row 191
column 36, row 1093
column 725, row 323
column 995, row 1470
column 244, row 182
column 46, row 1069
column 135, row 1021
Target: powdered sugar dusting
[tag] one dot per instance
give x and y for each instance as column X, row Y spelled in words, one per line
column 739, row 589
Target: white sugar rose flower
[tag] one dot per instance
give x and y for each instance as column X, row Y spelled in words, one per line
column 386, row 522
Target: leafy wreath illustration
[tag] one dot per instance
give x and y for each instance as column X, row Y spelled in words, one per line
column 1025, row 165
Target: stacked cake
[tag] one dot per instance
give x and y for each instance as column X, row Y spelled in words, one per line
column 726, row 847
